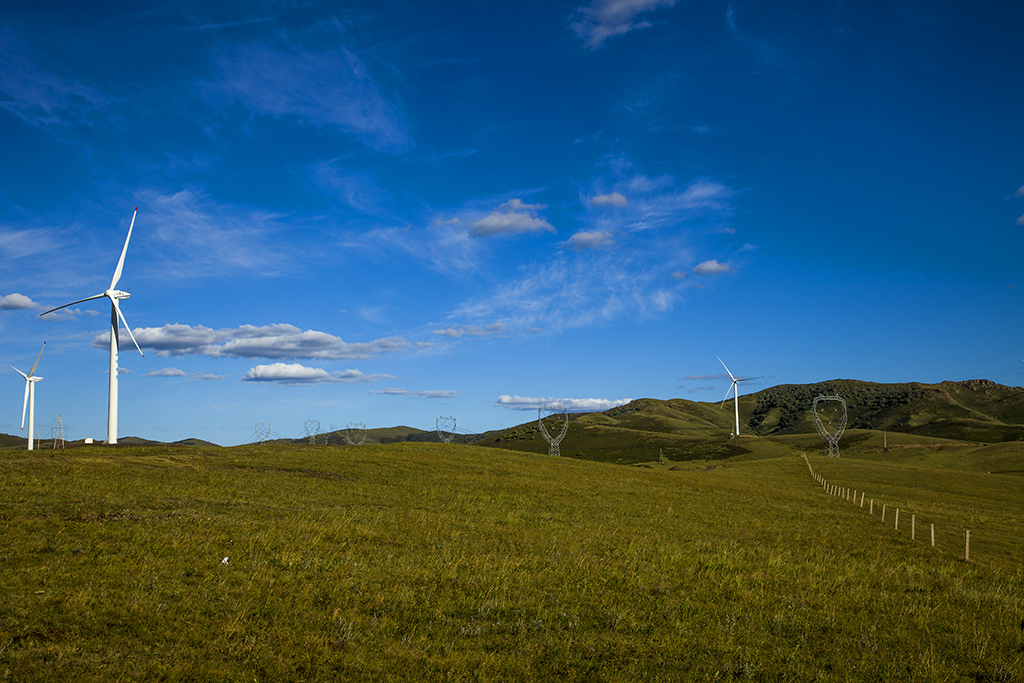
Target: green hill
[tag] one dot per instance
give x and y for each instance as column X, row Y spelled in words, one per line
column 644, row 430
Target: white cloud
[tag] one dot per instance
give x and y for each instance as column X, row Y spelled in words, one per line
column 596, row 239
column 1018, row 193
column 512, row 217
column 418, row 394
column 295, row 373
column 613, row 199
column 166, row 372
column 1020, row 221
column 15, row 301
column 330, row 88
column 201, row 237
column 582, row 288
column 603, row 19
column 572, row 405
column 206, row 377
column 712, row 267
column 472, row 331
column 19, row 244
column 355, row 187
column 249, row 341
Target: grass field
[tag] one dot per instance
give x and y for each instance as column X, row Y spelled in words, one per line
column 447, row 562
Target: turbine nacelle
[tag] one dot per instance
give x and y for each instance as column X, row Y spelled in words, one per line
column 116, row 294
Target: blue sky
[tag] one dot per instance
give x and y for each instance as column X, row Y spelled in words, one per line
column 385, row 212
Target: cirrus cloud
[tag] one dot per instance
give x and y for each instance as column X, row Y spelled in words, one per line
column 603, row 19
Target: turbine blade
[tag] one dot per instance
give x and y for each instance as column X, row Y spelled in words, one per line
column 726, row 367
column 125, row 322
column 33, row 370
column 24, row 405
column 124, row 250
column 18, row 371
column 88, row 298
column 727, row 390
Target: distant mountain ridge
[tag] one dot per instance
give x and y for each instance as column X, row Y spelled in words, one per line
column 978, row 411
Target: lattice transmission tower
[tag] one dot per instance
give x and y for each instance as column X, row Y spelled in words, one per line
column 833, row 431
column 312, row 430
column 446, row 428
column 262, row 432
column 355, row 433
column 560, row 414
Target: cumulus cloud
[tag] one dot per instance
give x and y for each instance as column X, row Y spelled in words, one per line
column 595, row 239
column 511, row 218
column 249, row 341
column 15, row 301
column 573, row 405
column 712, row 267
column 295, row 373
column 613, row 199
column 1018, row 193
column 603, row 19
column 331, row 88
column 391, row 391
column 166, row 372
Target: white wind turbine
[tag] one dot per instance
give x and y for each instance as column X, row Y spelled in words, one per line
column 735, row 393
column 114, row 295
column 30, row 398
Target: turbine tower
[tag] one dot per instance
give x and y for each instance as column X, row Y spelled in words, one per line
column 734, row 388
column 30, row 398
column 114, row 295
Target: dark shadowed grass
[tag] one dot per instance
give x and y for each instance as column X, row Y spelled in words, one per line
column 444, row 562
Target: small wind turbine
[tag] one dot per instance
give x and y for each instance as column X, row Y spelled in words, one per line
column 114, row 295
column 736, row 393
column 30, row 398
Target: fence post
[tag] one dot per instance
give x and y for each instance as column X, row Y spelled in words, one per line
column 871, row 510
column 883, row 512
column 862, row 499
column 913, row 526
column 933, row 534
column 967, row 546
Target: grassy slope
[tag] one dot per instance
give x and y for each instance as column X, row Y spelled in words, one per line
column 440, row 562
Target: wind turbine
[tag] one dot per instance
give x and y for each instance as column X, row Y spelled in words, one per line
column 736, row 393
column 30, row 398
column 114, row 295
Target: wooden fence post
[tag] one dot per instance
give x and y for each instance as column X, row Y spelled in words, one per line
column 913, row 526
column 933, row 534
column 883, row 512
column 862, row 499
column 897, row 519
column 967, row 546
column 871, row 510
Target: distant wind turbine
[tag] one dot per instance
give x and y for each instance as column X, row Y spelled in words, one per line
column 736, row 393
column 114, row 295
column 30, row 398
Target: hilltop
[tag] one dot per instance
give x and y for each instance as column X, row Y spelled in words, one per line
column 969, row 412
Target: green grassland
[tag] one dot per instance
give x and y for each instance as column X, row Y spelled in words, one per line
column 418, row 561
